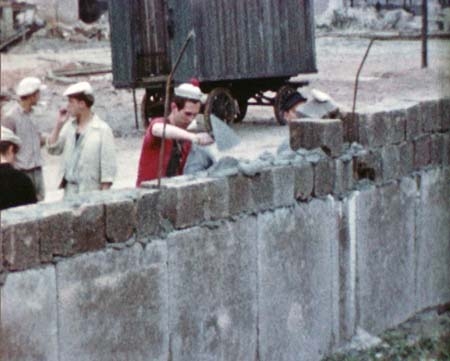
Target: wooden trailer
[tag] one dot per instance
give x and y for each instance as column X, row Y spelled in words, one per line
column 238, row 50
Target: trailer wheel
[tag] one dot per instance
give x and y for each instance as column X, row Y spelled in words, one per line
column 281, row 96
column 221, row 103
column 152, row 105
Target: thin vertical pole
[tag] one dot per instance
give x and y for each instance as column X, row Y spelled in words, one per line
column 424, row 33
column 135, row 109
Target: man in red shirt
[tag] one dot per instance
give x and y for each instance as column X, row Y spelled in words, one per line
column 184, row 108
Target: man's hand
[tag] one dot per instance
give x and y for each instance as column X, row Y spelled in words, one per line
column 203, row 139
column 63, row 115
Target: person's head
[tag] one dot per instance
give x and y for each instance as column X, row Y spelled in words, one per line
column 9, row 145
column 289, row 105
column 185, row 104
column 29, row 90
column 80, row 98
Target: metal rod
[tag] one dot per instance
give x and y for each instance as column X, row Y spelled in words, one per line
column 424, row 33
column 167, row 104
column 357, row 79
column 135, row 109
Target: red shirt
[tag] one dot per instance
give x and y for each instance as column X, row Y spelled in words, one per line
column 148, row 162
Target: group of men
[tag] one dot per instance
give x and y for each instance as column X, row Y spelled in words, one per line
column 86, row 142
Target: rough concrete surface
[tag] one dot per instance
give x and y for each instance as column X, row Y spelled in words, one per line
column 385, row 251
column 212, row 292
column 112, row 305
column 28, row 316
column 297, row 279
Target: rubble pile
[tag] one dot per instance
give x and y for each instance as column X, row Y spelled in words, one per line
column 80, row 31
column 368, row 18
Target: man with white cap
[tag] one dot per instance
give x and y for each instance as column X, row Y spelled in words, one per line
column 19, row 118
column 86, row 142
column 16, row 188
column 184, row 107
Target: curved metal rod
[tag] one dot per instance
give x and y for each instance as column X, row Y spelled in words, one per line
column 167, row 104
column 357, row 78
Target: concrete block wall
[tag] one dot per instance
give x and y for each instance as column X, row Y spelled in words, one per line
column 280, row 264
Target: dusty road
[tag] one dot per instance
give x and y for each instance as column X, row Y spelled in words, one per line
column 391, row 76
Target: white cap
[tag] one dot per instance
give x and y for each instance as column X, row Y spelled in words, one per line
column 320, row 96
column 82, row 87
column 7, row 135
column 189, row 91
column 28, row 86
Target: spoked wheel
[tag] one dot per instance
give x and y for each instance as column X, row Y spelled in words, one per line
column 152, row 105
column 282, row 94
column 221, row 103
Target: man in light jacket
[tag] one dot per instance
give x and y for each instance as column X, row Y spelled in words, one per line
column 86, row 143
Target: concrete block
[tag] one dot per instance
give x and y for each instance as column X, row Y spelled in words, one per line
column 303, row 180
column 297, row 281
column 347, row 268
column 390, row 162
column 413, row 122
column 326, row 134
column 446, row 149
column 343, row 180
column 218, row 199
column 148, row 217
column 89, row 227
column 431, row 120
column 186, row 201
column 368, row 166
column 422, row 151
column 56, row 231
column 283, row 179
column 121, row 220
column 437, row 149
column 396, row 126
column 373, row 132
column 213, row 299
column 433, row 238
column 29, row 316
column 20, row 238
column 384, row 239
column 350, row 126
column 262, row 189
column 324, row 177
column 406, row 152
column 240, row 196
column 444, row 112
column 113, row 305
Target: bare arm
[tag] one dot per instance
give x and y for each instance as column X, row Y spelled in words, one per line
column 173, row 132
column 60, row 121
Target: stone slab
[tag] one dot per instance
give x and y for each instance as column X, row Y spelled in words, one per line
column 20, row 238
column 283, row 185
column 327, row 134
column 113, row 305
column 384, row 236
column 297, row 281
column 28, row 315
column 212, row 292
column 433, row 238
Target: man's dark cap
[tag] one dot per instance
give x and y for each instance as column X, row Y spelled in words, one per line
column 292, row 100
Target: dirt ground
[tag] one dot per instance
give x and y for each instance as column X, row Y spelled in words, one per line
column 391, row 76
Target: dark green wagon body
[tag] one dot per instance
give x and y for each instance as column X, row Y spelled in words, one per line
column 246, row 46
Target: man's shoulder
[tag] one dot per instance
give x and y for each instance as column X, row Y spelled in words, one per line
column 98, row 122
column 11, row 111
